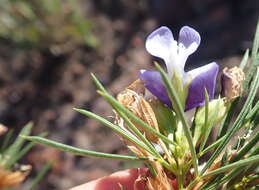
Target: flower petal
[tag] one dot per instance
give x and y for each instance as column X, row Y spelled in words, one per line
column 153, row 82
column 202, row 77
column 160, row 43
column 189, row 38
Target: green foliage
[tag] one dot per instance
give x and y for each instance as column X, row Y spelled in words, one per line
column 11, row 153
column 57, row 25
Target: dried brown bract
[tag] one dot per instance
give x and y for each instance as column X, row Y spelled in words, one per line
column 160, row 181
column 232, row 80
column 12, row 178
column 133, row 99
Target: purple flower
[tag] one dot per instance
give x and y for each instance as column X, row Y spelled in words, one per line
column 161, row 43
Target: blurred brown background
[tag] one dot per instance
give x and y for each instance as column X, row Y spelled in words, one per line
column 48, row 52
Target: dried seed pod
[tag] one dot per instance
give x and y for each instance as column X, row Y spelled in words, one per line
column 231, row 82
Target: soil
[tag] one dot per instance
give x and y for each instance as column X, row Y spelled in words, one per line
column 38, row 86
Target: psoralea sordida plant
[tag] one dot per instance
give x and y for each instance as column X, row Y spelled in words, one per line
column 150, row 118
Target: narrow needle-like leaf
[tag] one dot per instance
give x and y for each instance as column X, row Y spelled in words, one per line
column 6, row 140
column 246, row 148
column 78, row 151
column 133, row 117
column 12, row 151
column 221, row 181
column 254, row 110
column 212, row 146
column 138, row 133
column 227, row 120
column 205, row 130
column 255, row 60
column 245, row 162
column 14, row 159
column 40, row 175
column 255, row 48
column 23, row 151
column 114, row 127
column 244, row 60
column 97, row 83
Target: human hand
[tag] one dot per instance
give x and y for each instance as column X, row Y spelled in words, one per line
column 127, row 180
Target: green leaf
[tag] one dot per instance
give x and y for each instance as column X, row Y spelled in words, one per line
column 255, row 61
column 78, row 151
column 246, row 148
column 227, row 120
column 245, row 162
column 6, row 140
column 23, row 151
column 12, row 152
column 98, row 84
column 20, row 154
column 210, row 147
column 244, row 61
column 114, row 127
column 221, row 181
column 253, row 112
column 256, row 42
column 40, row 175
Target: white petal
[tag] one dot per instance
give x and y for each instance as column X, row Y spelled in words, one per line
column 161, row 43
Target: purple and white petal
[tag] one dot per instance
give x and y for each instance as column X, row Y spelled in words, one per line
column 160, row 43
column 202, row 77
column 189, row 38
column 154, row 83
